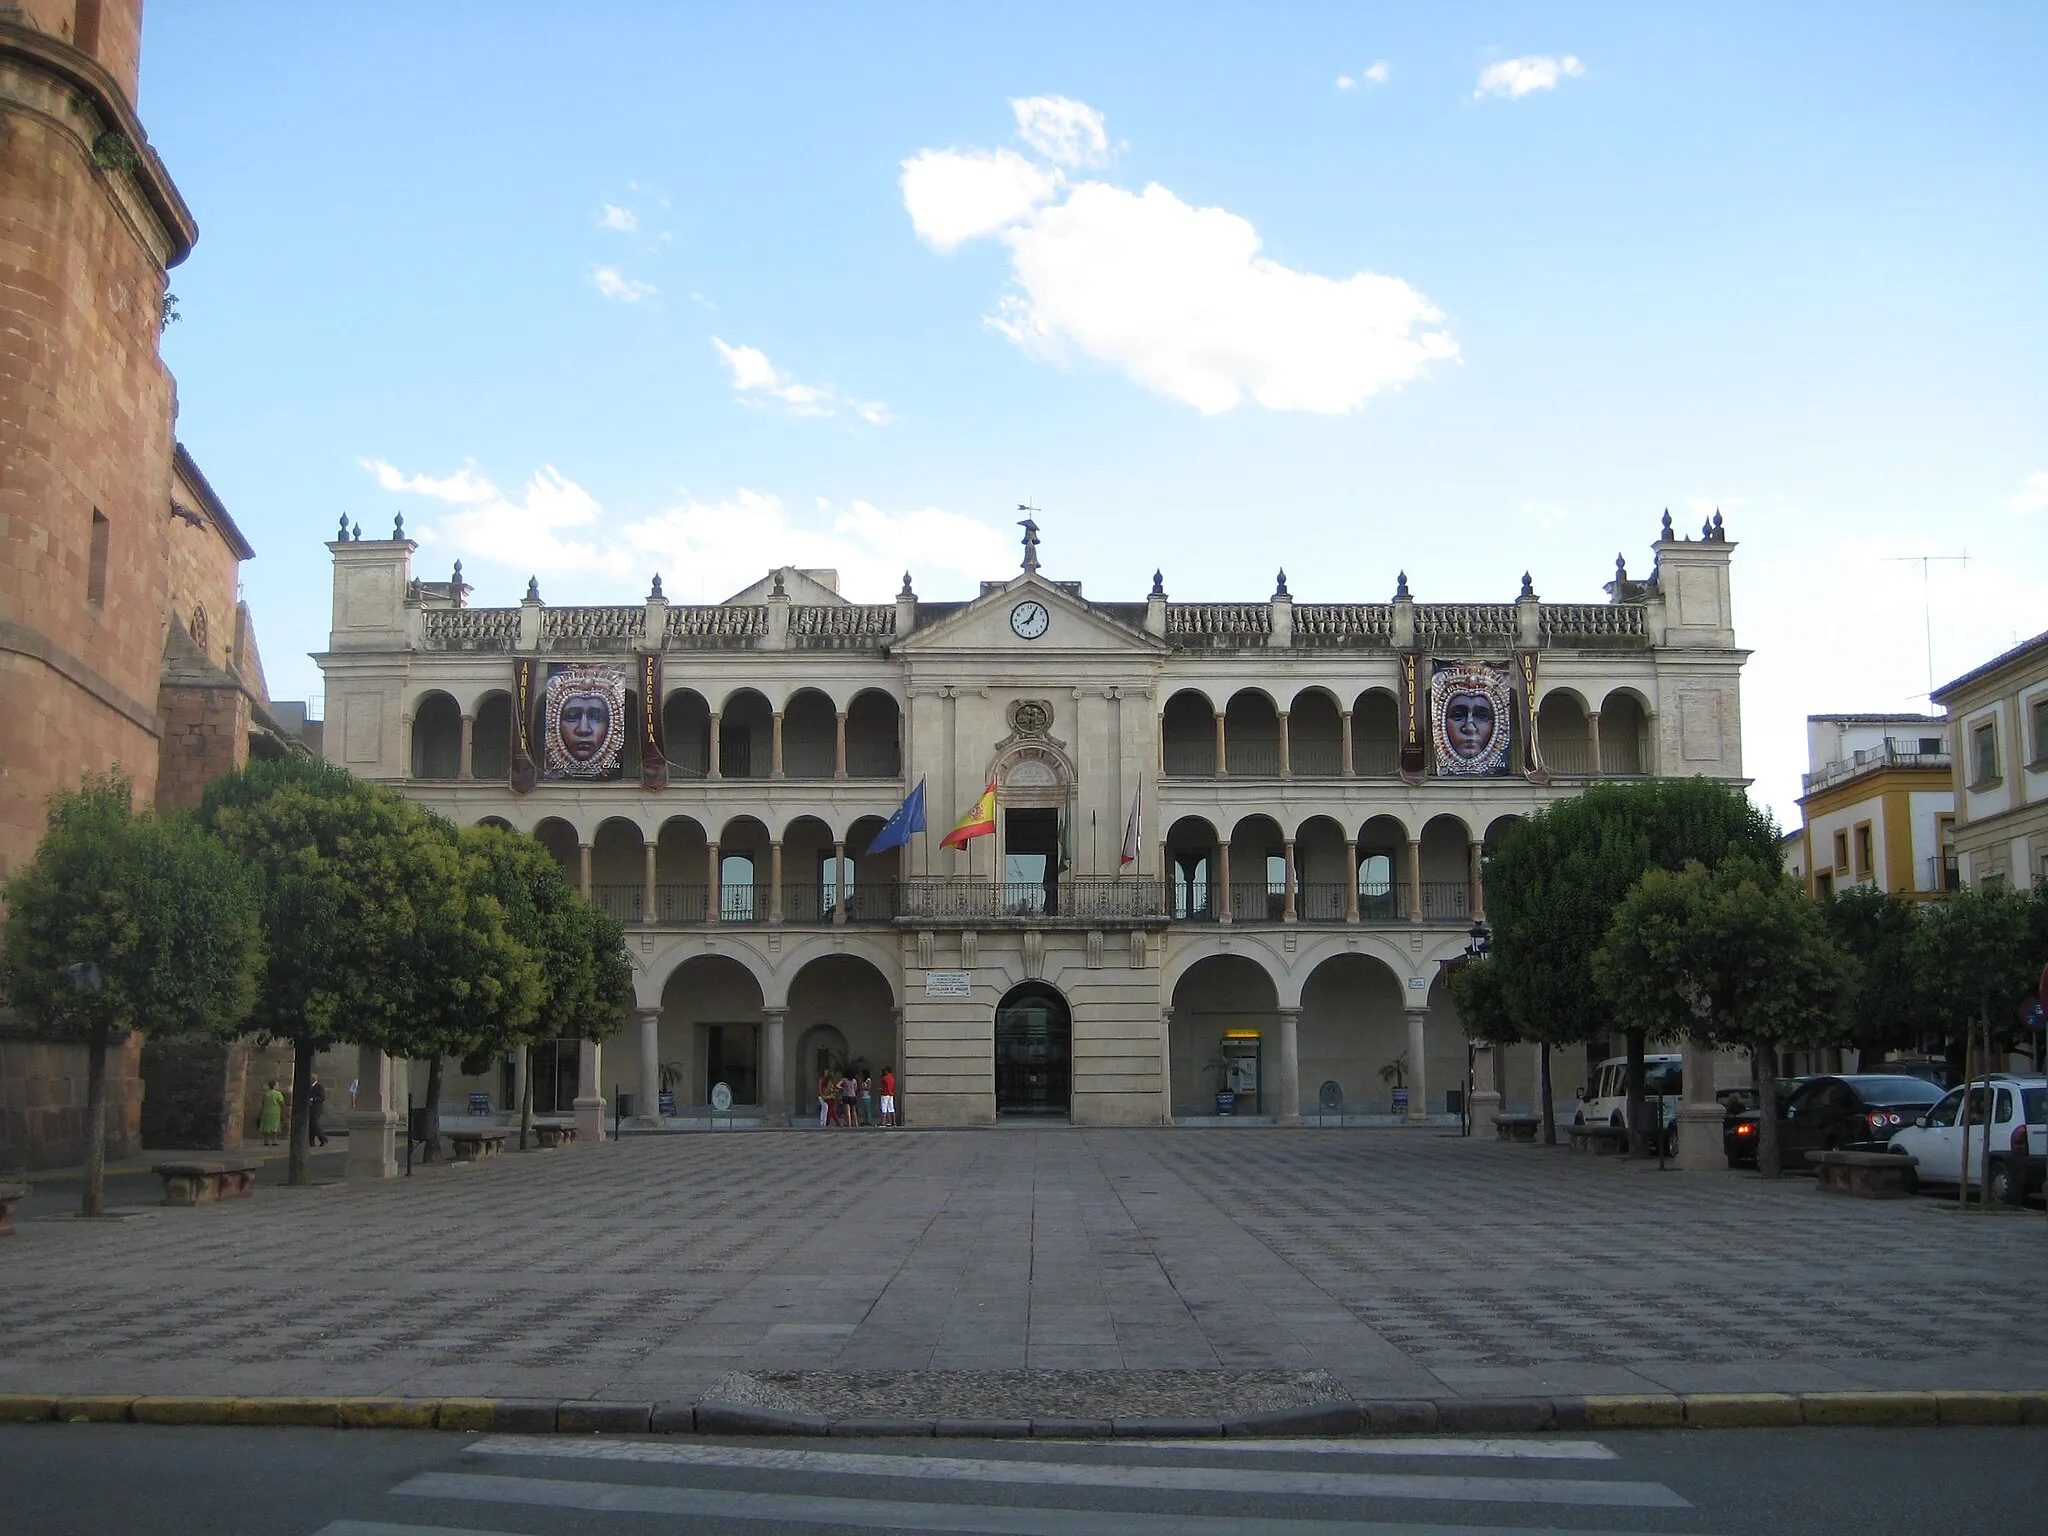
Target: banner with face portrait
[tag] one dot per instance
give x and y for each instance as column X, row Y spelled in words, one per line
column 584, row 722
column 1472, row 718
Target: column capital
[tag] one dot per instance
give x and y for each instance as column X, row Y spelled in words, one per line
column 1286, row 1012
column 647, row 1011
column 774, row 1012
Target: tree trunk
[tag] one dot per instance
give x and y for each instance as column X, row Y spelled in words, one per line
column 1990, row 1119
column 1963, row 1119
column 1639, row 1144
column 298, row 1169
column 1767, row 1157
column 526, row 1101
column 1549, row 1110
column 96, row 1125
column 431, row 1145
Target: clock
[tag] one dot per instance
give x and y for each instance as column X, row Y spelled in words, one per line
column 1029, row 620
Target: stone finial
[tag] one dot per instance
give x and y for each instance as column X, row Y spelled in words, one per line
column 342, row 537
column 1667, row 525
column 357, row 536
column 655, row 590
column 906, row 592
column 1620, row 568
column 1158, row 584
column 456, row 579
column 1280, row 585
column 1030, row 539
column 397, row 526
column 779, row 590
column 533, row 589
column 1401, row 594
column 1528, row 588
column 1720, row 533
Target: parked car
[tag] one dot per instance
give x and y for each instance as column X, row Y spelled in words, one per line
column 1824, row 1114
column 1604, row 1101
column 1935, row 1072
column 2019, row 1137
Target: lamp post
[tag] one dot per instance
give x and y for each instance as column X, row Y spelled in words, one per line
column 1479, row 944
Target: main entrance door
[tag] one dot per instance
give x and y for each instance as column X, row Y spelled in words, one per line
column 1034, row 1052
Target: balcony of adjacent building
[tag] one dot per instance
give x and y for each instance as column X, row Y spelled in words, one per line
column 809, row 738
column 1315, row 734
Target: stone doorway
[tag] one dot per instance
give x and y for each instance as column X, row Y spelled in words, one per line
column 1034, row 1053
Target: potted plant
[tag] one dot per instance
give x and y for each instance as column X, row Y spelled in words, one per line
column 1226, row 1098
column 1395, row 1075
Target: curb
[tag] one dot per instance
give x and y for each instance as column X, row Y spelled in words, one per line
column 1345, row 1417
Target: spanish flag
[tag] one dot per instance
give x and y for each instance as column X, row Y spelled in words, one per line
column 979, row 822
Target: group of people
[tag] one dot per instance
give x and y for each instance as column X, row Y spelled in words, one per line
column 848, row 1100
column 271, row 1123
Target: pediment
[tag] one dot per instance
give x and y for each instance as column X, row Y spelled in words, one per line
column 1072, row 625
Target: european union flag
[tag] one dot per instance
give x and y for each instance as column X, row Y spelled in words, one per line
column 896, row 830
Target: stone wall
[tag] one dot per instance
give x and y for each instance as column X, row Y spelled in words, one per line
column 42, row 1102
column 195, row 1093
column 206, row 734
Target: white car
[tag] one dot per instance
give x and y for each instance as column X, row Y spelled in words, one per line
column 2019, row 1138
column 1605, row 1100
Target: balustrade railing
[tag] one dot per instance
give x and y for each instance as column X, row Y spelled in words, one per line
column 744, row 902
column 1081, row 898
column 624, row 902
column 1443, row 900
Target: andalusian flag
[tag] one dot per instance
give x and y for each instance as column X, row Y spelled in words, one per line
column 979, row 822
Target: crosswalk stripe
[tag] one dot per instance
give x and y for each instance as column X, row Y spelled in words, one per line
column 1429, row 1445
column 980, row 1519
column 1179, row 1479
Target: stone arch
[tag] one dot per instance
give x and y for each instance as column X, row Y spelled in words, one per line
column 1216, row 993
column 498, row 822
column 1315, row 734
column 1565, row 732
column 560, row 839
column 682, row 870
column 809, row 884
column 874, row 735
column 1188, row 736
column 490, row 737
column 686, row 733
column 1321, row 870
column 875, row 876
column 436, row 736
column 1446, row 863
column 810, row 735
column 743, row 866
column 1258, row 869
column 1193, row 868
column 1376, row 734
column 850, row 996
column 1383, row 874
column 1353, row 1022
column 1251, row 729
column 746, row 735
column 1033, row 1051
column 712, row 1013
column 1625, row 746
column 618, row 868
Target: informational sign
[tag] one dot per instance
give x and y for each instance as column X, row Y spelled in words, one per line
column 584, row 724
column 721, row 1098
column 948, row 984
column 1471, row 716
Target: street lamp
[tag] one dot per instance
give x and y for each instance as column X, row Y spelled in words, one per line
column 1479, row 944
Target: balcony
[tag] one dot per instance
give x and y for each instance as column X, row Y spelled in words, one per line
column 1893, row 754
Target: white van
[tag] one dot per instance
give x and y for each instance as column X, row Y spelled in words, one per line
column 1604, row 1101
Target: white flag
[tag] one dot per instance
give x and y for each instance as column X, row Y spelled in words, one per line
column 1134, row 831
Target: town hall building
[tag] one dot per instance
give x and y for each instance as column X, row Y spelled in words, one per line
column 1229, row 845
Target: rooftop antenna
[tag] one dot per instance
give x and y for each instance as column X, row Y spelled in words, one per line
column 1926, row 603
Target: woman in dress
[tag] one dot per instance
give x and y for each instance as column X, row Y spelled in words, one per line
column 272, row 1120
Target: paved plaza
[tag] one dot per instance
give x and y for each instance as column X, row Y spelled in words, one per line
column 1404, row 1263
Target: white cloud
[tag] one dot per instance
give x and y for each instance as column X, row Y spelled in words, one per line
column 1379, row 72
column 2033, row 495
column 1176, row 296
column 753, row 375
column 955, row 195
column 527, row 530
column 625, row 220
column 465, row 487
column 613, row 285
column 1065, row 131
column 1514, row 78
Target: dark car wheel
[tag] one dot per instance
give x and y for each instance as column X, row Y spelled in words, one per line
column 2006, row 1189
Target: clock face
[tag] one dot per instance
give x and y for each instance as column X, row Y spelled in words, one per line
column 1030, row 620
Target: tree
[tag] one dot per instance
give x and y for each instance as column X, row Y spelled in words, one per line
column 1979, row 958
column 124, row 922
column 1477, row 988
column 1554, row 882
column 1891, row 1008
column 1735, row 955
column 353, row 881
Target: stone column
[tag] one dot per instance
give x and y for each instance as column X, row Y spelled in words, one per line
column 1222, row 749
column 1223, row 914
column 1700, row 1116
column 1288, row 911
column 839, row 883
column 1418, row 1066
column 647, row 901
column 649, row 1108
column 774, row 1068
column 1351, row 885
column 1290, row 1067
column 714, row 906
column 1414, row 875
column 1166, row 1064
column 839, row 746
column 373, row 1123
column 590, row 1104
column 583, row 869
column 463, row 768
column 405, row 742
column 711, row 744
column 1486, row 1088
column 1475, row 876
column 775, row 746
column 775, row 882
column 1345, row 745
column 1286, row 748
column 1593, row 737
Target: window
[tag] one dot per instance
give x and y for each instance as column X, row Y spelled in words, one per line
column 1984, row 753
column 736, row 888
column 1864, row 853
column 828, row 882
column 1932, row 746
column 1823, row 883
column 1947, row 874
column 96, row 566
column 2037, row 713
column 1842, row 851
column 1944, row 1113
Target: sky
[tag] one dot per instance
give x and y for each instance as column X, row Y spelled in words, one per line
column 593, row 292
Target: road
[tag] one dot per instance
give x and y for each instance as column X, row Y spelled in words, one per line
column 91, row 1480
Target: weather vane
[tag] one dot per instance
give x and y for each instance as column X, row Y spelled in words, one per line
column 1030, row 536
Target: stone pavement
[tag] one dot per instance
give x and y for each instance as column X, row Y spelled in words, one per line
column 1405, row 1263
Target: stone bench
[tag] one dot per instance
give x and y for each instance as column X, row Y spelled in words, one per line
column 11, row 1195
column 1516, row 1127
column 553, row 1134
column 1869, row 1175
column 196, row 1183
column 1600, row 1140
column 473, row 1146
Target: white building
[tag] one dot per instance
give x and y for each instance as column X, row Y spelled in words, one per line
column 1877, row 806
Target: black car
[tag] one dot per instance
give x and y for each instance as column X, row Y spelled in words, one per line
column 1829, row 1113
